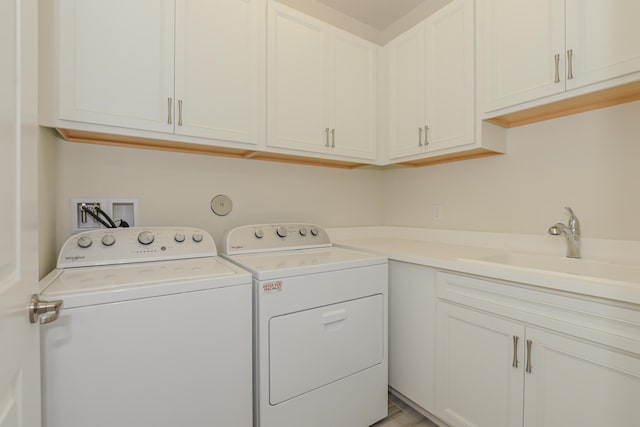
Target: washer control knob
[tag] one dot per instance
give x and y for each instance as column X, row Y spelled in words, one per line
column 259, row 234
column 179, row 237
column 108, row 239
column 84, row 242
column 314, row 231
column 197, row 237
column 282, row 232
column 302, row 231
column 146, row 238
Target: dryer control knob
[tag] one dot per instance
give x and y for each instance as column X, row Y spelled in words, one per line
column 197, row 237
column 146, row 238
column 314, row 231
column 282, row 232
column 179, row 237
column 259, row 234
column 84, row 242
column 108, row 240
column 302, row 231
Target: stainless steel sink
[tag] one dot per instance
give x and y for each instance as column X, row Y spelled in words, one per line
column 563, row 265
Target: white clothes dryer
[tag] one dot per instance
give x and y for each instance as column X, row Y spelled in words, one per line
column 320, row 330
column 155, row 330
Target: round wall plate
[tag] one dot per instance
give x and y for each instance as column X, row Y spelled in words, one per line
column 221, row 205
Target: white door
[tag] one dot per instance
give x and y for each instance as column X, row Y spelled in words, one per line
column 522, row 38
column 353, row 93
column 407, row 116
column 116, row 62
column 20, row 354
column 602, row 36
column 477, row 384
column 298, row 83
column 578, row 383
column 450, row 77
column 217, row 69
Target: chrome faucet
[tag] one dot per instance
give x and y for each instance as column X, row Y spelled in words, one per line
column 571, row 232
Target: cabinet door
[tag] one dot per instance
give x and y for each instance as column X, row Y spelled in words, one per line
column 476, row 384
column 353, row 96
column 217, row 69
column 603, row 37
column 116, row 63
column 521, row 40
column 412, row 332
column 450, row 76
column 577, row 383
column 297, row 50
column 407, row 114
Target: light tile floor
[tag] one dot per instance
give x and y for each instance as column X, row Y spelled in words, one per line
column 402, row 415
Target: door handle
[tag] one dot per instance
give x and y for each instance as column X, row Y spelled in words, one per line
column 515, row 352
column 43, row 311
column 529, row 368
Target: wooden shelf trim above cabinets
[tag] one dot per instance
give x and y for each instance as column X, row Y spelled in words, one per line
column 474, row 153
column 189, row 148
column 591, row 101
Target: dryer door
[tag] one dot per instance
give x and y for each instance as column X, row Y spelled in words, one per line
column 315, row 347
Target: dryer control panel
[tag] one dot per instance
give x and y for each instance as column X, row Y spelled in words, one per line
column 135, row 244
column 259, row 238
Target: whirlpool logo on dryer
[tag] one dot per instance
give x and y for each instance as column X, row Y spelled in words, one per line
column 270, row 287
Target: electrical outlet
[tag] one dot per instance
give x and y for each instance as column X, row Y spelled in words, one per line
column 437, row 212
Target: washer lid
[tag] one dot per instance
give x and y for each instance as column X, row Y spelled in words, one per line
column 98, row 285
column 273, row 265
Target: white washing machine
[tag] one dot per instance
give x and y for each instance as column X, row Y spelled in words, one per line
column 155, row 330
column 320, row 327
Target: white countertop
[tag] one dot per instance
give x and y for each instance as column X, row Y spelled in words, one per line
column 618, row 280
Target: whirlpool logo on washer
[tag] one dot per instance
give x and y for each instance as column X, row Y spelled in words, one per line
column 271, row 287
column 73, row 258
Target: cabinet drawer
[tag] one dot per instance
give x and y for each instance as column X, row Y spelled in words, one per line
column 610, row 323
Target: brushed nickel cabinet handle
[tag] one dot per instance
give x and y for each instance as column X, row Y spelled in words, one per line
column 333, row 138
column 169, row 102
column 515, row 351
column 326, row 131
column 179, row 112
column 419, row 137
column 556, row 58
column 569, row 64
column 529, row 367
column 426, row 135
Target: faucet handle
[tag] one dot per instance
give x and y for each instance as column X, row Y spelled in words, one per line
column 573, row 223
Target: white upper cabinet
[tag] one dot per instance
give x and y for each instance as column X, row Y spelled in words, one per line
column 533, row 50
column 116, row 63
column 353, row 89
column 216, row 69
column 524, row 42
column 431, row 83
column 189, row 67
column 298, row 80
column 321, row 87
column 603, row 37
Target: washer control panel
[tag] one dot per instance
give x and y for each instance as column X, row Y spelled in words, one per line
column 136, row 244
column 274, row 237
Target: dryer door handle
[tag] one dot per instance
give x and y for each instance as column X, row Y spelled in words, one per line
column 334, row 316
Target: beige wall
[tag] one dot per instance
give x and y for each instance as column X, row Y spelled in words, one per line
column 588, row 161
column 176, row 189
column 47, row 200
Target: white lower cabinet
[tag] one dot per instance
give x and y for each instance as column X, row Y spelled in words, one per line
column 477, row 384
column 507, row 356
column 412, row 332
column 579, row 383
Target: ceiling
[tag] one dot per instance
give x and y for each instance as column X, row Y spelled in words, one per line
column 379, row 14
